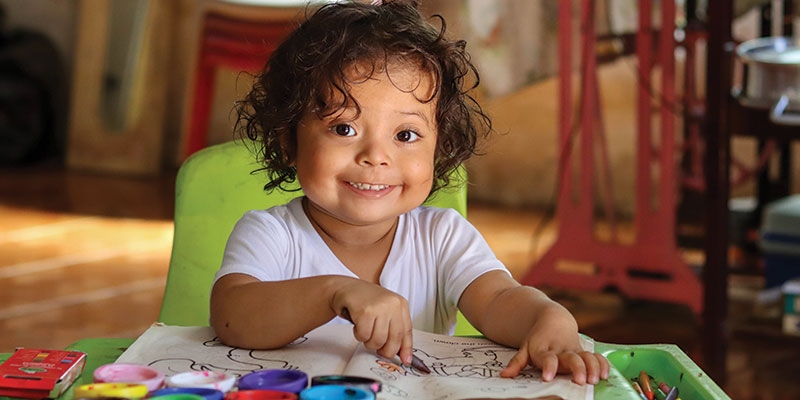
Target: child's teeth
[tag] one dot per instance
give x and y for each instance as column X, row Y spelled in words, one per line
column 367, row 186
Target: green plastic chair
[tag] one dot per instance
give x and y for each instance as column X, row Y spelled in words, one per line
column 214, row 188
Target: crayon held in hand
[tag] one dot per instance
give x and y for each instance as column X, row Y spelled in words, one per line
column 416, row 362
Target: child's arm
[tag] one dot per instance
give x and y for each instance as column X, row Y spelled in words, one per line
column 249, row 313
column 545, row 333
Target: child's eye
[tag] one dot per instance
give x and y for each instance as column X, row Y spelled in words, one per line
column 407, row 136
column 344, row 130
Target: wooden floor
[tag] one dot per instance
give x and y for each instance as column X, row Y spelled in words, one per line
column 85, row 255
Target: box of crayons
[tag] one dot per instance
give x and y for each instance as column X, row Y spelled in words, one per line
column 40, row 373
column 656, row 372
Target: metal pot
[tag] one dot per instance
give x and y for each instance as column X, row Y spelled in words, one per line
column 772, row 77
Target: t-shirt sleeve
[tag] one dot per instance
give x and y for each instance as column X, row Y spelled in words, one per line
column 257, row 247
column 464, row 255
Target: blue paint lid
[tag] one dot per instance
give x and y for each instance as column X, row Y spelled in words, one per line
column 336, row 392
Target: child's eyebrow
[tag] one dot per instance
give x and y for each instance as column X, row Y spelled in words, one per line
column 418, row 114
column 346, row 112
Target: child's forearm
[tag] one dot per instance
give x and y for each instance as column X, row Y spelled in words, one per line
column 264, row 315
column 516, row 310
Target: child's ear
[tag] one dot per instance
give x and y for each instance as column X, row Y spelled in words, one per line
column 288, row 143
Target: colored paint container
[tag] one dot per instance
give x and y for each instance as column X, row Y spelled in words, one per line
column 205, row 393
column 129, row 373
column 110, row 390
column 202, row 379
column 177, row 396
column 260, row 395
column 336, row 392
column 348, row 380
column 274, row 379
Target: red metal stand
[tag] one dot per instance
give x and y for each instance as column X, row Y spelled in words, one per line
column 651, row 267
column 232, row 42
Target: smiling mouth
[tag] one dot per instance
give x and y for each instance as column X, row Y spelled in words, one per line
column 367, row 186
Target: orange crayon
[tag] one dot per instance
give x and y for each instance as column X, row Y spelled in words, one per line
column 647, row 388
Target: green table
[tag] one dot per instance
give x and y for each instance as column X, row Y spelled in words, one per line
column 664, row 362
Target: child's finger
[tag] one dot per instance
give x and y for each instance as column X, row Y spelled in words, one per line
column 379, row 337
column 363, row 329
column 590, row 360
column 392, row 340
column 605, row 367
column 549, row 363
column 406, row 347
column 516, row 364
column 399, row 334
column 575, row 364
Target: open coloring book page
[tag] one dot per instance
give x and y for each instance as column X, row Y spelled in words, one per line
column 461, row 368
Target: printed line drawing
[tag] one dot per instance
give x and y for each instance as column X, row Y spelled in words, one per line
column 476, row 362
column 243, row 361
column 479, row 362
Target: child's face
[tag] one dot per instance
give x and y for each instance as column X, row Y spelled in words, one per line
column 372, row 167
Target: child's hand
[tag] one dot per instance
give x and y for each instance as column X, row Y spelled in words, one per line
column 548, row 348
column 381, row 317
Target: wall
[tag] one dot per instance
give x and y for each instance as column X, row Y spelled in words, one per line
column 55, row 18
column 58, row 19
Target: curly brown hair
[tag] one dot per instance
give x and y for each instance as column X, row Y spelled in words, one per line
column 310, row 66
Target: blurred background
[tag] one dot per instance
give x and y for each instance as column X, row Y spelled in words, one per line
column 101, row 101
column 140, row 58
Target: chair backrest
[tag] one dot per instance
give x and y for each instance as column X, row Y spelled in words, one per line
column 213, row 189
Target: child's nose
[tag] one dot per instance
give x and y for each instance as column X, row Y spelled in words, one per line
column 374, row 153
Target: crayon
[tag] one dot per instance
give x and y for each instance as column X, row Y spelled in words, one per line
column 672, row 394
column 664, row 387
column 638, row 389
column 644, row 381
column 416, row 362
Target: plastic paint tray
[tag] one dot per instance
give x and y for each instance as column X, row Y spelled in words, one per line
column 663, row 362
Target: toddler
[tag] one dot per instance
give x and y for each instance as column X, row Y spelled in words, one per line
column 367, row 107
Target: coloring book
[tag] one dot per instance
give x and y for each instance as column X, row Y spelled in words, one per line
column 461, row 367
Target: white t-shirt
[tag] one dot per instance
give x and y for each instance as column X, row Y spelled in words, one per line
column 435, row 255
